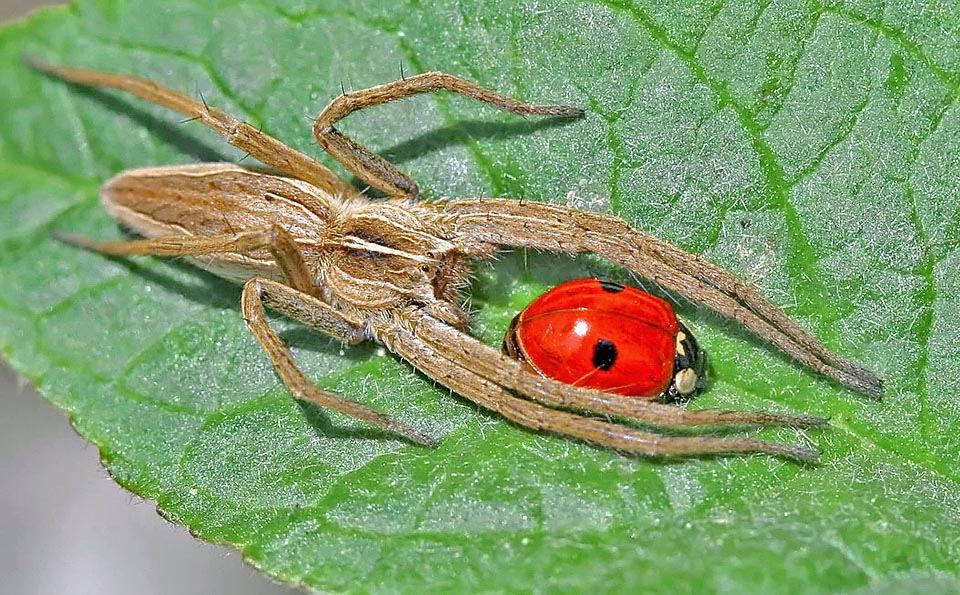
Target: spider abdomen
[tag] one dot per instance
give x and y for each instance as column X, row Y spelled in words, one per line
column 211, row 199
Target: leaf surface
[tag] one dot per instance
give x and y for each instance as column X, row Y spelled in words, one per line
column 814, row 150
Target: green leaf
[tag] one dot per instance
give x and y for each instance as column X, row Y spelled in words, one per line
column 813, row 149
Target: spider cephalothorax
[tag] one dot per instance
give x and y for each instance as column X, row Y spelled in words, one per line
column 396, row 253
column 310, row 246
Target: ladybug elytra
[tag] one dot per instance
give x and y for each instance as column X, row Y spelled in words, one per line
column 603, row 335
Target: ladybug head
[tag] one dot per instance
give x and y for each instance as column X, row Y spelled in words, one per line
column 689, row 368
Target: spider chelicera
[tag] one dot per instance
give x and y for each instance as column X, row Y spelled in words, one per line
column 309, row 245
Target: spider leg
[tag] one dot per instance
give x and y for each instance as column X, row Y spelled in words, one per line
column 317, row 314
column 271, row 237
column 298, row 302
column 507, row 372
column 258, row 144
column 560, row 229
column 460, row 376
column 374, row 169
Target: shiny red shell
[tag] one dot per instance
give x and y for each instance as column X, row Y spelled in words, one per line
column 600, row 335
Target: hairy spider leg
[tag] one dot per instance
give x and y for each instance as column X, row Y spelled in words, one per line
column 272, row 237
column 560, row 229
column 318, row 315
column 471, row 360
column 444, row 366
column 377, row 171
column 485, row 361
column 258, row 144
column 722, row 291
column 295, row 302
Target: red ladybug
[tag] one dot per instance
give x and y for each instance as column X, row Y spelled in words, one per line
column 607, row 336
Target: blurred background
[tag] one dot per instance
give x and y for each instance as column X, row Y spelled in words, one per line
column 67, row 528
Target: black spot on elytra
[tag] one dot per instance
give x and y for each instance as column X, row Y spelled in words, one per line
column 611, row 287
column 604, row 354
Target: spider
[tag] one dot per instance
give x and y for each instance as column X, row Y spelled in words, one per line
column 312, row 247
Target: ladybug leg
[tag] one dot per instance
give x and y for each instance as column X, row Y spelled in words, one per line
column 489, row 394
column 511, row 374
column 560, row 229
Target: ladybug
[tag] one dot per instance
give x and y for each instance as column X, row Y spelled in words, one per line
column 604, row 335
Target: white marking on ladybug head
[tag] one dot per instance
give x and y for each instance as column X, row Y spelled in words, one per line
column 686, row 381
